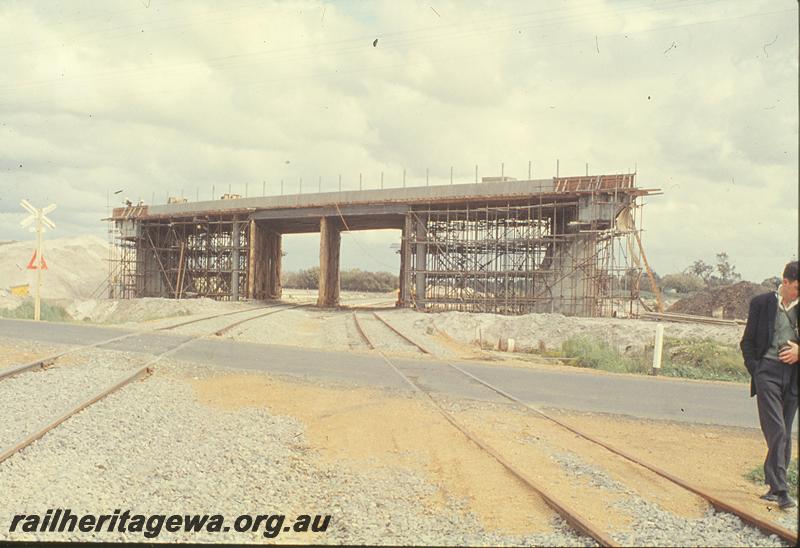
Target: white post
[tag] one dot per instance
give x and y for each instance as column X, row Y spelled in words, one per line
column 38, row 310
column 657, row 348
column 37, row 216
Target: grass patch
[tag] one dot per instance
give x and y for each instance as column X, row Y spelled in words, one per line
column 690, row 359
column 598, row 354
column 703, row 359
column 48, row 312
column 756, row 475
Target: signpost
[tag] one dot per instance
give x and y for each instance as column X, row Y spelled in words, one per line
column 42, row 223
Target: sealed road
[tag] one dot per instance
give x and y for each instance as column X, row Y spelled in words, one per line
column 638, row 396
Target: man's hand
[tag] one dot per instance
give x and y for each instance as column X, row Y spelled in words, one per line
column 790, row 355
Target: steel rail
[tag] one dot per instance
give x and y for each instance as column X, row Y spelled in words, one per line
column 143, row 371
column 361, row 332
column 219, row 332
column 570, row 515
column 372, row 305
column 48, row 426
column 402, row 335
column 718, row 503
column 47, row 360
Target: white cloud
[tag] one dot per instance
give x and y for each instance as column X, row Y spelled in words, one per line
column 700, row 96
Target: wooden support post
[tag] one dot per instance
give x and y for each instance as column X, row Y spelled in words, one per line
column 329, row 243
column 273, row 264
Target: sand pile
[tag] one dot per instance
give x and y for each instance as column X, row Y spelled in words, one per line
column 145, row 309
column 730, row 302
column 76, row 267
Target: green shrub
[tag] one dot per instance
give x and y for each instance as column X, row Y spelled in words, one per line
column 597, row 354
column 690, row 359
column 350, row 280
column 756, row 475
column 48, row 312
column 360, row 280
column 703, row 359
column 303, row 279
column 683, row 282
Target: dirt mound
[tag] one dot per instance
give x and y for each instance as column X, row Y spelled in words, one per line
column 730, row 302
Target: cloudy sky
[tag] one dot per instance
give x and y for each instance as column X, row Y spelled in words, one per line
column 155, row 98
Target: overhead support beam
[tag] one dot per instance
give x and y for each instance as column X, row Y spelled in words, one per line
column 330, row 239
column 344, row 210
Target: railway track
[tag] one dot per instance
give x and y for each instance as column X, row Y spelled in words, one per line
column 49, row 360
column 138, row 373
column 377, row 320
column 565, row 510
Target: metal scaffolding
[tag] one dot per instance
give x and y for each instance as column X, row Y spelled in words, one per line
column 180, row 258
column 572, row 253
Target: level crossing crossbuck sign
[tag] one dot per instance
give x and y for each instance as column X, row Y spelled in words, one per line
column 42, row 223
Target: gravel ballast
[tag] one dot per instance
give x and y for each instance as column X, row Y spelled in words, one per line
column 32, row 398
column 152, row 448
column 654, row 526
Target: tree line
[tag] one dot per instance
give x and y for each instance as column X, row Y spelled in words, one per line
column 349, row 280
column 701, row 275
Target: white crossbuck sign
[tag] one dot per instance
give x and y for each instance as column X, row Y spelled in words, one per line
column 40, row 224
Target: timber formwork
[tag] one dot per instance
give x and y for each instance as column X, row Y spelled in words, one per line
column 569, row 245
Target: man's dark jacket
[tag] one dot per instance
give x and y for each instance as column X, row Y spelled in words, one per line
column 758, row 332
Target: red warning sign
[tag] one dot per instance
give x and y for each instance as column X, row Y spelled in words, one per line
column 32, row 263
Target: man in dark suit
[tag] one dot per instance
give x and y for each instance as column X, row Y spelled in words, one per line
column 770, row 350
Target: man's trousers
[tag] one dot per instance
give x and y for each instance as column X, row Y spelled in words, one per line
column 776, row 393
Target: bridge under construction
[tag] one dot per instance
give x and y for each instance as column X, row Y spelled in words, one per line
column 570, row 245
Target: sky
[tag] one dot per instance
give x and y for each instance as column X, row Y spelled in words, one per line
column 155, row 98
